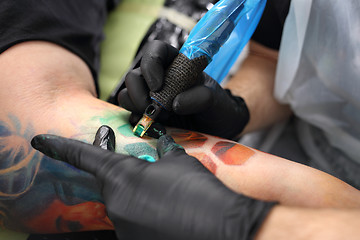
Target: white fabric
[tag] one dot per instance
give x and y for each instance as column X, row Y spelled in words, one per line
column 318, row 72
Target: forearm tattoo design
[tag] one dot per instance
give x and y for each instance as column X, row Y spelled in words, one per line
column 41, row 195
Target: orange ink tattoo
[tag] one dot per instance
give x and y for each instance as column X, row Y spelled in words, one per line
column 188, row 139
column 60, row 218
column 231, row 153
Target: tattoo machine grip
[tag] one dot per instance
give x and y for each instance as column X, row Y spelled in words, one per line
column 180, row 76
column 204, row 41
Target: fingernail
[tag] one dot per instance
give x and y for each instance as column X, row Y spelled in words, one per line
column 105, row 138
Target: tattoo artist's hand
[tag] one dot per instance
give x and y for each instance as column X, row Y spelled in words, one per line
column 173, row 198
column 206, row 107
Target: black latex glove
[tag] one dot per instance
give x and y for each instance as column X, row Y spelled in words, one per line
column 206, row 107
column 174, row 198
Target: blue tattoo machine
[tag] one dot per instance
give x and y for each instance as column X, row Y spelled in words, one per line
column 204, row 41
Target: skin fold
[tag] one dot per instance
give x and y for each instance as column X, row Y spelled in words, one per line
column 47, row 89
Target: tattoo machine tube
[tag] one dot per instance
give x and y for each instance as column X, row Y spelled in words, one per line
column 204, row 41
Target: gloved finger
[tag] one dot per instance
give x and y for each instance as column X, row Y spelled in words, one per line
column 194, row 100
column 125, row 101
column 134, row 118
column 81, row 155
column 137, row 89
column 105, row 138
column 157, row 58
column 166, row 145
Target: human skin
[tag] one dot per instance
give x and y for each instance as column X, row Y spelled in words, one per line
column 285, row 222
column 47, row 89
column 254, row 82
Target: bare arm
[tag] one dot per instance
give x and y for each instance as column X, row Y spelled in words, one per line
column 254, row 82
column 46, row 89
column 309, row 223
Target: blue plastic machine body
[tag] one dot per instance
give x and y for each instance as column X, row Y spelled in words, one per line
column 222, row 33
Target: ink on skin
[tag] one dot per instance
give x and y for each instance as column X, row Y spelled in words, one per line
column 22, row 174
column 140, row 149
column 189, row 139
column 105, row 138
column 59, row 217
column 20, row 162
column 231, row 153
column 109, row 116
column 125, row 130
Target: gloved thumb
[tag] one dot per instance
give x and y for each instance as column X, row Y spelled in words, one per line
column 166, row 145
column 81, row 155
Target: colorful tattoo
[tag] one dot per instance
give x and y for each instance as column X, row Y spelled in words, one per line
column 133, row 145
column 193, row 142
column 231, row 153
column 14, row 147
column 188, row 139
column 59, row 217
column 42, row 195
column 39, row 194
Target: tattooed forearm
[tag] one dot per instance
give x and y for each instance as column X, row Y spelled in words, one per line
column 39, row 194
column 231, row 153
column 20, row 163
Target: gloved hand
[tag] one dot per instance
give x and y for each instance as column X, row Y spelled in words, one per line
column 173, row 198
column 206, row 107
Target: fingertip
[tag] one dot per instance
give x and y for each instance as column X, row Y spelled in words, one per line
column 125, row 101
column 137, row 90
column 167, row 144
column 131, row 75
column 47, row 144
column 134, row 119
column 36, row 142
